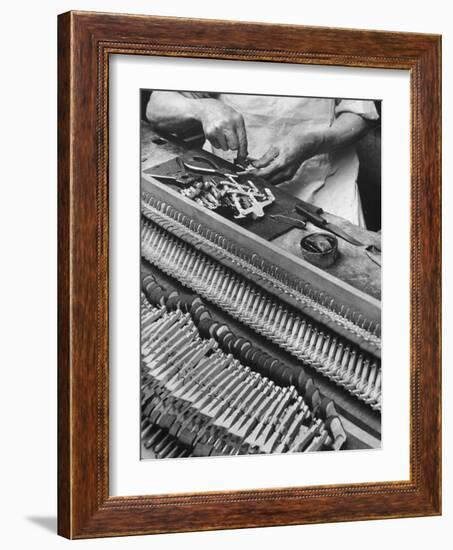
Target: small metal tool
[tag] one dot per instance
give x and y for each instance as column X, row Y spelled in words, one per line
column 181, row 180
column 205, row 166
column 374, row 253
column 294, row 222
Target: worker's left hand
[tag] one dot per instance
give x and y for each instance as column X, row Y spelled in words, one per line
column 282, row 160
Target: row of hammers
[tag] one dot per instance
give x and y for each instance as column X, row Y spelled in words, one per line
column 205, row 392
column 342, row 362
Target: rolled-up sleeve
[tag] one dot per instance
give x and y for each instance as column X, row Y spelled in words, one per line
column 199, row 95
column 364, row 108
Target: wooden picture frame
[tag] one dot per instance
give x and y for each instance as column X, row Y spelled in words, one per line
column 85, row 41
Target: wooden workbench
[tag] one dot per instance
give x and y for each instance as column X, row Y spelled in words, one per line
column 353, row 265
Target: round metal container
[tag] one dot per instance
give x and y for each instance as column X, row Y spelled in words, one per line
column 320, row 249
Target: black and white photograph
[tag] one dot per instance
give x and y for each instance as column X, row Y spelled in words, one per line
column 260, row 274
column 237, row 235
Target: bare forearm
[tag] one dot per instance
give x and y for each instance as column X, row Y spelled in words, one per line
column 171, row 111
column 222, row 125
column 346, row 130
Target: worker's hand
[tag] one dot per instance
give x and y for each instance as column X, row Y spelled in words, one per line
column 282, row 160
column 223, row 126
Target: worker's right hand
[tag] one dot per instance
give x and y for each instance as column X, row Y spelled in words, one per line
column 223, row 126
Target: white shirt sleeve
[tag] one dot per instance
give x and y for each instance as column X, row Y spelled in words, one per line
column 364, row 108
column 198, row 95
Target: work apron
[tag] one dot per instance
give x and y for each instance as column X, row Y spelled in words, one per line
column 327, row 180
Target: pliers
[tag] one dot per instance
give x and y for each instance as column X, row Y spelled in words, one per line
column 205, row 166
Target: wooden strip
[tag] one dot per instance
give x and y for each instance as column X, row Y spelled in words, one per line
column 64, row 297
